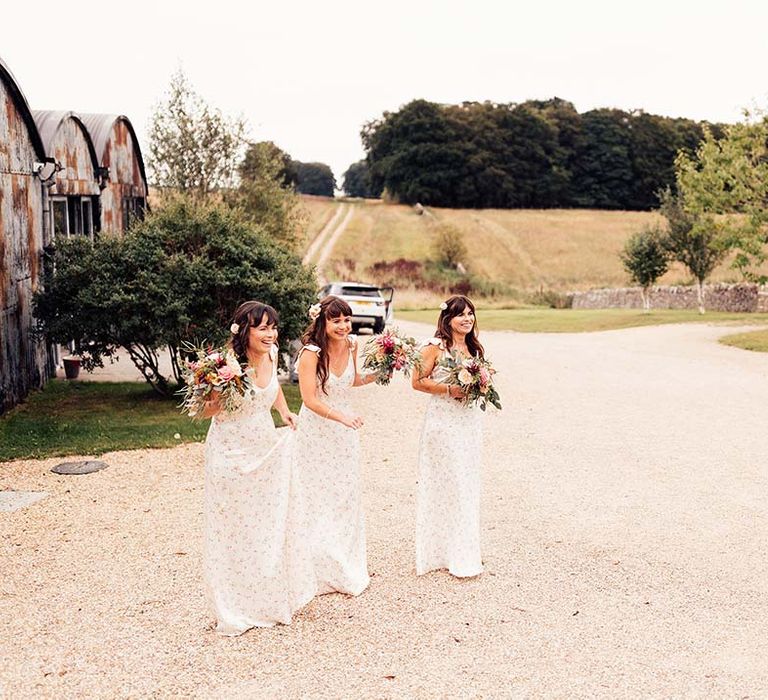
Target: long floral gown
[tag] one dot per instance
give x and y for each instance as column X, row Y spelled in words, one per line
column 329, row 457
column 448, row 495
column 256, row 563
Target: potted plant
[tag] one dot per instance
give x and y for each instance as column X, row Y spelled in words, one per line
column 71, row 366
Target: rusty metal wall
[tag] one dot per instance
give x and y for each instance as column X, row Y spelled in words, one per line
column 120, row 155
column 70, row 147
column 24, row 362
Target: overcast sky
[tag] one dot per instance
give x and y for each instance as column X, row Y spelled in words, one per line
column 308, row 75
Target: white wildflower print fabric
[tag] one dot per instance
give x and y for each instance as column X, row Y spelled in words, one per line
column 257, row 564
column 448, row 494
column 328, row 455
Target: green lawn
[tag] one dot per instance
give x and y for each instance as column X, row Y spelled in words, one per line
column 540, row 320
column 756, row 341
column 90, row 418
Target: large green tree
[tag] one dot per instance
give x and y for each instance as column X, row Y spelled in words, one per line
column 314, row 178
column 265, row 193
column 357, row 181
column 724, row 188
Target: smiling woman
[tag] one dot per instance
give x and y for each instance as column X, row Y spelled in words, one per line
column 328, row 449
column 256, row 563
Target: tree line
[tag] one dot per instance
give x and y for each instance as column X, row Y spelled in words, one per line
column 537, row 154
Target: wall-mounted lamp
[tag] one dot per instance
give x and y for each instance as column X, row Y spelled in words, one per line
column 47, row 170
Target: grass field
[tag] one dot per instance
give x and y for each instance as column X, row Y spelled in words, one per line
column 525, row 250
column 319, row 211
column 541, row 320
column 756, row 341
column 91, row 418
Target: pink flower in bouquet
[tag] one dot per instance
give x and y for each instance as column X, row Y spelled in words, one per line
column 215, row 357
column 226, row 374
column 485, row 376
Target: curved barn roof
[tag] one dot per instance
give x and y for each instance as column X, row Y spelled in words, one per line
column 48, row 122
column 23, row 106
column 100, row 127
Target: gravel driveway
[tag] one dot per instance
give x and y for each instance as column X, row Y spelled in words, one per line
column 625, row 540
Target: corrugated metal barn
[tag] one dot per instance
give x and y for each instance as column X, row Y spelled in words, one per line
column 60, row 175
column 124, row 197
column 74, row 193
column 24, row 362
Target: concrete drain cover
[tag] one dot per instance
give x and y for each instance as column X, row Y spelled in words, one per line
column 86, row 467
column 16, row 500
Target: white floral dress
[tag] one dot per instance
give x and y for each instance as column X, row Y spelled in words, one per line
column 256, row 563
column 448, row 495
column 329, row 457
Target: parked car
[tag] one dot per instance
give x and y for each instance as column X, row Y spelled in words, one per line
column 371, row 305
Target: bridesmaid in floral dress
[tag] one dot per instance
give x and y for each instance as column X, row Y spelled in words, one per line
column 448, row 496
column 328, row 449
column 256, row 563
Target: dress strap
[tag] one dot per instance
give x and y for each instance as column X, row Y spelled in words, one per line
column 311, row 348
column 434, row 341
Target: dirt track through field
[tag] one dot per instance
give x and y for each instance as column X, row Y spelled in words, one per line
column 321, row 248
column 625, row 531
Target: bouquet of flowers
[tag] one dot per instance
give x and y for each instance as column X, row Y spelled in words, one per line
column 388, row 352
column 212, row 371
column 475, row 376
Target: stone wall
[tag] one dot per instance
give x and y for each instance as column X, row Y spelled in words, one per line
column 717, row 297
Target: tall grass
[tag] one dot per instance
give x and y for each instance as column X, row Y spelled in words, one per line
column 519, row 253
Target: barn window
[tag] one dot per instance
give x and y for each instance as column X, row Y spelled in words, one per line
column 87, row 216
column 73, row 215
column 133, row 210
column 60, row 217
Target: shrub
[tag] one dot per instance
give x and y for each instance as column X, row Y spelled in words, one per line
column 176, row 276
column 448, row 246
column 551, row 298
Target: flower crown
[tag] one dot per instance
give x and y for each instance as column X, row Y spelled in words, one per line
column 443, row 306
column 314, row 311
column 234, row 329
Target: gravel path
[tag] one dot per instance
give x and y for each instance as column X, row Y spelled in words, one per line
column 625, row 530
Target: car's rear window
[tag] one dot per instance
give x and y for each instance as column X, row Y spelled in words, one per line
column 360, row 291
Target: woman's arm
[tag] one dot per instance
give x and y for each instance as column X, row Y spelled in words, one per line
column 360, row 379
column 281, row 406
column 212, row 406
column 421, row 380
column 308, row 389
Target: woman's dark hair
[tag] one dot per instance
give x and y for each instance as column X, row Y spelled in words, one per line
column 455, row 306
column 315, row 334
column 249, row 314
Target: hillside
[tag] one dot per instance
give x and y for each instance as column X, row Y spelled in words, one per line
column 524, row 249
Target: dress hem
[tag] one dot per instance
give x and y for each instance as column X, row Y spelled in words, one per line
column 454, row 573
